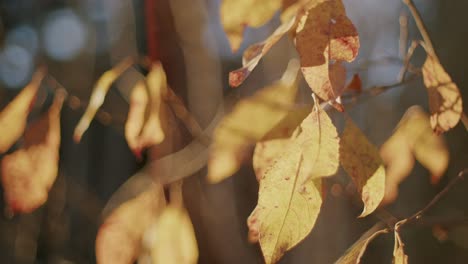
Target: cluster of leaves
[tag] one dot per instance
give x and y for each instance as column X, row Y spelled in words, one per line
column 296, row 148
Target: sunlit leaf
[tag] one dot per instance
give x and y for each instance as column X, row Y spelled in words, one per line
column 119, row 238
column 413, row 138
column 98, row 95
column 255, row 53
column 326, row 37
column 399, row 256
column 445, row 102
column 361, row 160
column 29, row 172
column 13, row 117
column 237, row 14
column 171, row 239
column 354, row 254
column 250, row 120
column 290, row 193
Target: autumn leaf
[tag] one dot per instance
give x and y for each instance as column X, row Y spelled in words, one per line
column 29, row 172
column 98, row 95
column 355, row 84
column 361, row 160
column 136, row 115
column 13, row 117
column 171, row 239
column 354, row 254
column 325, row 37
column 413, row 138
column 399, row 256
column 290, row 194
column 445, row 102
column 152, row 132
column 238, row 14
column 253, row 54
column 262, row 112
column 119, row 238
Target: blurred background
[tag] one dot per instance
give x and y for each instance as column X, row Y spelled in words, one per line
column 79, row 40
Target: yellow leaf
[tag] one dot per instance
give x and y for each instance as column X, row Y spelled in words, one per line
column 253, row 54
column 119, row 238
column 13, row 117
column 265, row 154
column 290, row 188
column 98, row 95
column 136, row 115
column 400, row 257
column 237, row 14
column 354, row 254
column 29, row 172
column 172, row 238
column 445, row 102
column 152, row 132
column 413, row 138
column 250, row 120
column 325, row 34
column 361, row 160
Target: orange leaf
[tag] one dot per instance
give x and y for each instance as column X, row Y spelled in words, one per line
column 355, row 84
column 28, row 173
column 119, row 239
column 445, row 102
column 237, row 14
column 325, row 37
column 14, row 116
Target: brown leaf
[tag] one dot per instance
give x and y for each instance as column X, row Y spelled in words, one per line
column 326, row 37
column 354, row 254
column 29, row 172
column 98, row 95
column 355, row 84
column 119, row 238
column 291, row 187
column 255, row 53
column 413, row 138
column 171, row 239
column 13, row 117
column 237, row 14
column 361, row 160
column 445, row 102
column 261, row 112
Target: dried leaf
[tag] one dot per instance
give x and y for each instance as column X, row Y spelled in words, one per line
column 326, row 37
column 96, row 100
column 29, row 172
column 254, row 53
column 361, row 160
column 413, row 138
column 355, row 84
column 13, row 117
column 237, row 14
column 136, row 115
column 262, row 112
column 265, row 154
column 172, row 238
column 119, row 239
column 354, row 254
column 445, row 102
column 290, row 194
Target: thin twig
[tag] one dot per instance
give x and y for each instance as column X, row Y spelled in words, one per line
column 421, row 27
column 437, row 198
